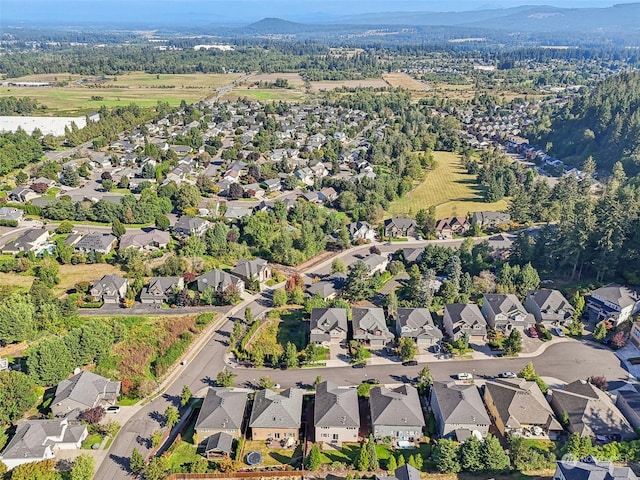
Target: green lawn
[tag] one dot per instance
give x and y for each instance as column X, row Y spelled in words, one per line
column 272, row 456
column 90, row 440
column 272, row 94
column 350, row 452
column 449, row 188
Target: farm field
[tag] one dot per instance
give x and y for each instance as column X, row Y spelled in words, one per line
column 265, row 94
column 293, row 78
column 332, row 85
column 141, row 88
column 449, row 188
column 403, row 80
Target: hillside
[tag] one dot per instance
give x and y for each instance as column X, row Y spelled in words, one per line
column 605, row 124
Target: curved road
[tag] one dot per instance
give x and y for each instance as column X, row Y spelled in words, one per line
column 566, row 361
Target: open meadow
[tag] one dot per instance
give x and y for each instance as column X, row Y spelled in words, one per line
column 145, row 89
column 449, row 188
column 334, row 84
column 403, row 80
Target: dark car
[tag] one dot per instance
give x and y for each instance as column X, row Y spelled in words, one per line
column 358, row 365
column 409, row 363
column 371, row 381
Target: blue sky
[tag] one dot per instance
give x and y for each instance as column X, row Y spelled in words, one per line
column 238, row 11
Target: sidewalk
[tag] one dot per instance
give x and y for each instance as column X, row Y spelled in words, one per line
column 424, row 357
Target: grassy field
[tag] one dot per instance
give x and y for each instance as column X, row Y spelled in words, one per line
column 333, row 84
column 449, row 188
column 141, row 88
column 265, row 94
column 69, row 275
column 403, row 80
column 293, row 78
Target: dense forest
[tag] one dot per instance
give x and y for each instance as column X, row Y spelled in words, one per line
column 587, row 236
column 17, row 150
column 19, row 106
column 603, row 124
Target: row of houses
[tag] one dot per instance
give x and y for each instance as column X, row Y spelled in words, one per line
column 502, row 312
column 113, row 288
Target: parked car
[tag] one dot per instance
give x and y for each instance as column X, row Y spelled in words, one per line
column 507, row 375
column 409, row 363
column 113, row 409
column 371, row 381
column 358, row 365
column 434, row 349
column 533, row 333
column 464, row 376
column 558, row 331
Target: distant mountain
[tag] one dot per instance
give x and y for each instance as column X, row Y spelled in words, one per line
column 275, row 26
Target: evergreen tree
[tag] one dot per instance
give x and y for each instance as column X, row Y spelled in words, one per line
column 391, row 464
column 136, row 461
column 291, row 355
column 471, row 455
column 495, row 458
column 513, row 343
column 600, row 332
column 372, row 454
column 446, row 456
column 401, row 460
column 314, row 459
column 49, row 361
column 362, row 464
column 185, row 397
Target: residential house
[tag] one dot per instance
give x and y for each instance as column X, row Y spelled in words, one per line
column 235, row 212
column 589, row 411
column 505, row 312
column 411, row 255
column 83, row 391
column 615, row 303
column 109, row 289
column 405, row 472
column 9, row 214
column 305, row 175
column 400, row 227
column 549, row 307
column 336, row 414
column 396, row 413
column 370, row 327
column 252, row 270
column 416, row 323
column 628, row 401
column 273, row 184
column 218, row 445
column 328, row 288
column 34, row 240
column 376, row 263
column 191, row 226
column 328, row 195
column 458, row 410
column 448, row 227
column 161, row 289
column 47, row 181
column 591, row 469
column 21, row 194
column 328, row 326
column 464, row 319
column 490, row 219
column 277, row 416
column 96, row 242
column 37, row 440
column 219, row 281
column 361, row 231
column 148, row 241
column 519, row 407
column 222, row 411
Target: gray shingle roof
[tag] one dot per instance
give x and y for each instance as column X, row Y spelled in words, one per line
column 95, row 241
column 370, row 320
column 246, row 268
column 222, row 409
column 217, row 279
column 417, row 323
column 277, row 410
column 86, row 388
column 336, row 407
column 33, row 437
column 219, row 442
column 552, row 304
column 140, row 240
column 617, row 294
column 521, row 402
column 460, row 404
column 327, row 320
column 594, row 470
column 400, row 406
column 504, row 303
column 590, row 410
column 465, row 313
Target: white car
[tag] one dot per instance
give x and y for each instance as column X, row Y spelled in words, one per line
column 507, row 375
column 465, row 376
